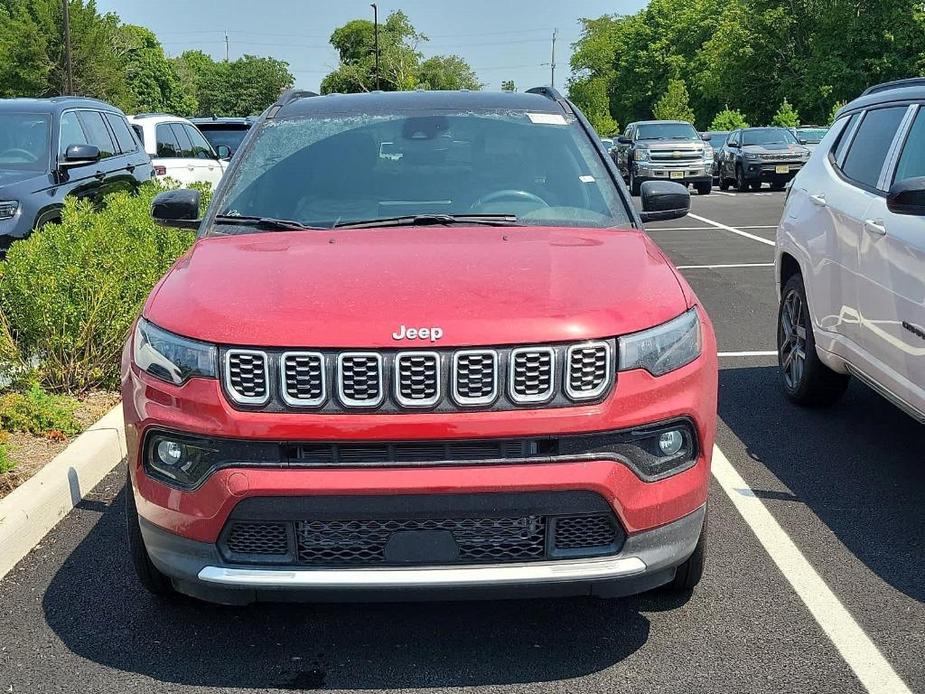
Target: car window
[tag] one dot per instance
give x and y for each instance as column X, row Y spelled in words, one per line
column 201, row 147
column 71, row 132
column 323, row 171
column 167, row 145
column 734, row 138
column 24, row 141
column 912, row 160
column 843, row 137
column 123, row 135
column 186, row 146
column 667, row 131
column 768, row 136
column 95, row 127
column 230, row 137
column 870, row 146
column 139, row 132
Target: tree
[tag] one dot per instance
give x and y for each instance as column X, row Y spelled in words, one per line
column 447, row 72
column 152, row 84
column 508, row 86
column 786, row 116
column 836, row 107
column 591, row 96
column 674, row 103
column 728, row 119
column 401, row 63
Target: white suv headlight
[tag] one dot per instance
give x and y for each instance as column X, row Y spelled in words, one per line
column 642, row 154
column 664, row 348
column 8, row 209
column 170, row 357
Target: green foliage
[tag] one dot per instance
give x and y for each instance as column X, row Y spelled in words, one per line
column 401, row 64
column 6, row 465
column 836, row 107
column 786, row 116
column 152, row 84
column 728, row 119
column 508, row 86
column 242, row 87
column 37, row 412
column 71, row 290
column 675, row 103
column 591, row 96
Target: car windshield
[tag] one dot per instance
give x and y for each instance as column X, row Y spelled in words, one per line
column 224, row 135
column 768, row 136
column 811, row 135
column 666, row 131
column 537, row 169
column 718, row 139
column 24, row 141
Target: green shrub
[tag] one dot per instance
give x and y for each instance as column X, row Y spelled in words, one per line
column 40, row 413
column 71, row 290
column 728, row 119
column 6, row 465
column 786, row 116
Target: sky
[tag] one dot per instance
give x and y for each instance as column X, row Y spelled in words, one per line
column 500, row 39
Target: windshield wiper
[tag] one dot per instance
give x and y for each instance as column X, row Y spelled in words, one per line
column 495, row 220
column 263, row 223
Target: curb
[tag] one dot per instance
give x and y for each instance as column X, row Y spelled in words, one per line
column 31, row 510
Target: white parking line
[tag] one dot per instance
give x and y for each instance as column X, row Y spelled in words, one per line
column 855, row 647
column 720, row 267
column 765, row 226
column 734, row 230
column 770, row 353
column 719, row 192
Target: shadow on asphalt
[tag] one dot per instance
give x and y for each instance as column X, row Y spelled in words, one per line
column 860, row 467
column 97, row 609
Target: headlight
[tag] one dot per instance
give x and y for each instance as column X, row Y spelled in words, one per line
column 752, row 155
column 642, row 154
column 170, row 357
column 708, row 154
column 663, row 348
column 8, row 209
column 185, row 461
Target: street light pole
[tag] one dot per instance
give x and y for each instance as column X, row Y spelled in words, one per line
column 69, row 70
column 376, row 39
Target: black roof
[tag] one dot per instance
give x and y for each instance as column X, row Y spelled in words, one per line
column 224, row 120
column 372, row 102
column 889, row 92
column 54, row 104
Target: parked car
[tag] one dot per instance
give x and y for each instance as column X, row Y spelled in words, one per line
column 664, row 150
column 177, row 149
column 851, row 256
column 53, row 148
column 752, row 156
column 224, row 134
column 716, row 139
column 809, row 135
column 608, row 143
column 484, row 378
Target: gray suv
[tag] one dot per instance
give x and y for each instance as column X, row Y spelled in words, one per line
column 664, row 150
column 52, row 148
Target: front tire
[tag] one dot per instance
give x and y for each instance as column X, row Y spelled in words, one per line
column 703, row 188
column 148, row 575
column 634, row 183
column 741, row 184
column 806, row 380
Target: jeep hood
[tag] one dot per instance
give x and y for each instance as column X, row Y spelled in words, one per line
column 354, row 288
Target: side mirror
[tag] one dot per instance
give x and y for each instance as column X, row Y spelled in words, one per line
column 223, row 152
column 803, row 141
column 706, row 137
column 80, row 155
column 177, row 208
column 663, row 200
column 734, row 145
column 907, row 197
column 623, row 140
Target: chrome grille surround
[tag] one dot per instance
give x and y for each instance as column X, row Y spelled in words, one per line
column 247, row 376
column 417, row 379
column 588, row 367
column 532, row 374
column 301, row 371
column 351, row 381
column 468, row 374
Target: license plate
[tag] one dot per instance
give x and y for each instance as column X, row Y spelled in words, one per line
column 676, row 174
column 782, row 168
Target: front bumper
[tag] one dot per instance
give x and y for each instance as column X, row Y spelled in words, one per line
column 646, row 560
column 682, row 172
column 772, row 171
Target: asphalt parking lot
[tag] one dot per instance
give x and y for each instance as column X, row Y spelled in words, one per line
column 844, row 485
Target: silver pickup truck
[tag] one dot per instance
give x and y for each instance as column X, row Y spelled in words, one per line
column 664, row 150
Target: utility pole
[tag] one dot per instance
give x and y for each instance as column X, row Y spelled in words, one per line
column 376, row 34
column 226, row 46
column 552, row 64
column 69, row 70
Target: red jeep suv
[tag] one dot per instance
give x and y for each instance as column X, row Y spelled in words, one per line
column 421, row 347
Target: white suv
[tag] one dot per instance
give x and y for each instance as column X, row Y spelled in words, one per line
column 850, row 258
column 177, row 149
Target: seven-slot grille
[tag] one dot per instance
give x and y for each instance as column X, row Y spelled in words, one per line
column 588, row 369
column 445, row 380
column 246, row 376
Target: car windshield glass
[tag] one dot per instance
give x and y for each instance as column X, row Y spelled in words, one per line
column 717, row 139
column 666, row 131
column 768, row 136
column 811, row 135
column 230, row 137
column 540, row 169
column 24, row 141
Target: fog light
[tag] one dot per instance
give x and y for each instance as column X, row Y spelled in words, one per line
column 670, row 442
column 170, row 452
